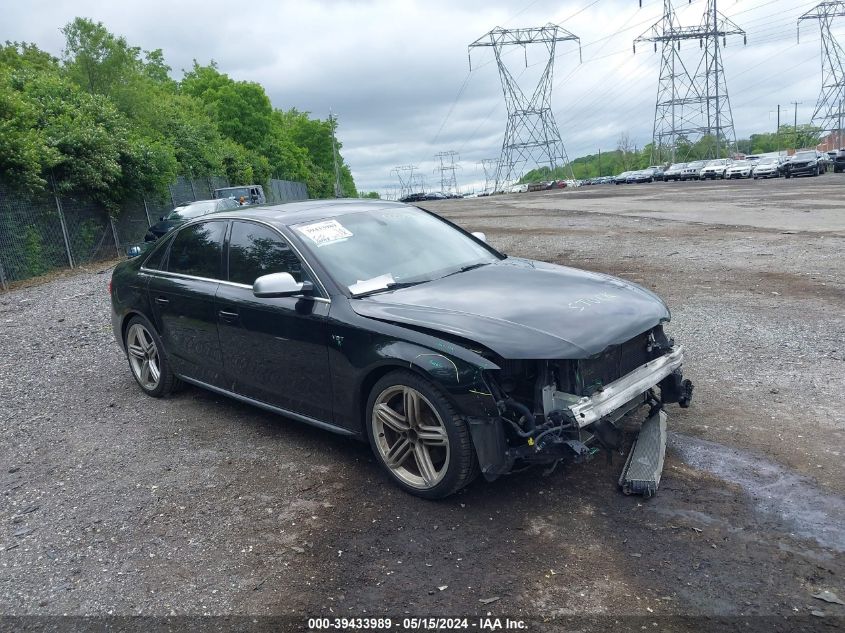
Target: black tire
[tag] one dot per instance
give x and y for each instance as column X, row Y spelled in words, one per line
column 167, row 381
column 816, row 171
column 461, row 464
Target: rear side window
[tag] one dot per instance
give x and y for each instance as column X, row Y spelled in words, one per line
column 196, row 250
column 255, row 250
column 157, row 259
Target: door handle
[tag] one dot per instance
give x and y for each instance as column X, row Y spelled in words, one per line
column 228, row 316
column 162, row 301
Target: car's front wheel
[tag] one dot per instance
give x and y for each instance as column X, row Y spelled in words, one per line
column 147, row 360
column 418, row 436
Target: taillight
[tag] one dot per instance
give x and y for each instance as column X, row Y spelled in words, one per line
column 109, row 287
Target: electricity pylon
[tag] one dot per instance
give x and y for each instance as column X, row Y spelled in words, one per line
column 696, row 104
column 828, row 112
column 489, row 165
column 446, row 169
column 405, row 174
column 531, row 134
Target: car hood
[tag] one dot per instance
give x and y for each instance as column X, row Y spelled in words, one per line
column 165, row 226
column 524, row 309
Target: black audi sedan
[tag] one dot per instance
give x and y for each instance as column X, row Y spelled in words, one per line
column 388, row 323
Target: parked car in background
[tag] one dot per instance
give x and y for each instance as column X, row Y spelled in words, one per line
column 805, row 163
column 767, row 167
column 386, row 323
column 243, row 195
column 825, row 162
column 657, row 172
column 185, row 212
column 692, row 171
column 622, row 178
column 715, row 169
column 839, row 162
column 739, row 169
column 641, row 175
column 673, row 172
column 523, row 188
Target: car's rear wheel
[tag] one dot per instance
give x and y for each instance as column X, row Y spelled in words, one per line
column 418, row 437
column 147, row 360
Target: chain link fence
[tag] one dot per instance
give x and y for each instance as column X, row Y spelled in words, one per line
column 47, row 231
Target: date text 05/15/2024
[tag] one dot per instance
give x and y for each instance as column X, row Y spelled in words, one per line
column 484, row 623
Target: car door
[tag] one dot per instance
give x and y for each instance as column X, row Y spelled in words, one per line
column 182, row 295
column 274, row 350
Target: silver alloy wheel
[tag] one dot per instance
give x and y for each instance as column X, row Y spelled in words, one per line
column 410, row 436
column 143, row 356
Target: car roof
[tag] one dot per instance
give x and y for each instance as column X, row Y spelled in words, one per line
column 290, row 213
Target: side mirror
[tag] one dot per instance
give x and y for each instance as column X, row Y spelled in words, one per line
column 480, row 236
column 280, row 285
column 133, row 251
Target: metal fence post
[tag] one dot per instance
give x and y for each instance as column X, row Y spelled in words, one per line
column 193, row 191
column 64, row 225
column 114, row 234
column 3, row 278
column 147, row 213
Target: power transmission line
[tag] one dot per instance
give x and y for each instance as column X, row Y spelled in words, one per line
column 405, row 174
column 531, row 134
column 693, row 104
column 446, row 169
column 490, row 166
column 828, row 112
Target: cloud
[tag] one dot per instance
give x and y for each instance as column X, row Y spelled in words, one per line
column 396, row 72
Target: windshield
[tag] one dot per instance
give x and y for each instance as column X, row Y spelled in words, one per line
column 696, row 165
column 678, row 166
column 233, row 192
column 372, row 251
column 740, row 163
column 769, row 161
column 192, row 210
column 805, row 156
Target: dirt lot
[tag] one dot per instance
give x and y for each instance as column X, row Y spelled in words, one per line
column 114, row 503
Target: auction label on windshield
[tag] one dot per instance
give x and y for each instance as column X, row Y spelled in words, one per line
column 325, row 232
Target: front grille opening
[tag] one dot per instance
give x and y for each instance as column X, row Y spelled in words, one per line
column 586, row 376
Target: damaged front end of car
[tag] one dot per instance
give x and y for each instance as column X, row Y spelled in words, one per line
column 558, row 411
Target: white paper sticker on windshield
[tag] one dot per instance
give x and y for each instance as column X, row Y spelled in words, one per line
column 376, row 283
column 325, row 232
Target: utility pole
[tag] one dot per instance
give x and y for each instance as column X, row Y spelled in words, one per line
column 795, row 123
column 531, row 134
column 828, row 112
column 691, row 104
column 777, row 132
column 338, row 190
column 599, row 162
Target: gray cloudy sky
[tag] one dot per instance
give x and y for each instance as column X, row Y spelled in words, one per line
column 396, row 71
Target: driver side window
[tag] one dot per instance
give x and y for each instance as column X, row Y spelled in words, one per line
column 255, row 250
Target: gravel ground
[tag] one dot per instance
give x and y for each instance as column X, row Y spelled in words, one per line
column 115, row 503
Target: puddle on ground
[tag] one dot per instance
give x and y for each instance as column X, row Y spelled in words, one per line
column 805, row 510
